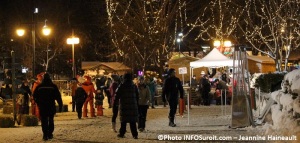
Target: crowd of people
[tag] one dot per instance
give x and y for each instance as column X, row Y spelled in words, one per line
column 129, row 99
column 218, row 82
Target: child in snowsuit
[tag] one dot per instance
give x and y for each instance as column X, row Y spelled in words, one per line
column 79, row 98
column 99, row 102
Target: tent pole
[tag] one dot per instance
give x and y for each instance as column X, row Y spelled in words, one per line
column 188, row 98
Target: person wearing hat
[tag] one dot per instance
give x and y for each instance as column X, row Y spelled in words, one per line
column 79, row 98
column 45, row 95
column 153, row 90
column 200, row 87
column 194, row 82
column 88, row 86
column 170, row 93
column 127, row 97
column 144, row 99
column 205, row 89
column 73, row 85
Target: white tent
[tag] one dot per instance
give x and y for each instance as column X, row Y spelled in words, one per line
column 213, row 59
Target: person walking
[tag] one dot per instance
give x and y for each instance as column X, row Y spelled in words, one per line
column 34, row 107
column 127, row 96
column 79, row 98
column 170, row 93
column 153, row 91
column 88, row 86
column 107, row 93
column 112, row 89
column 144, row 98
column 73, row 85
column 45, row 96
column 99, row 97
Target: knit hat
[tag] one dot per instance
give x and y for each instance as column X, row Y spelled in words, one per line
column 202, row 72
column 141, row 78
column 127, row 76
column 171, row 70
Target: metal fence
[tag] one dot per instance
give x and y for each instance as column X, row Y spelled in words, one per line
column 63, row 86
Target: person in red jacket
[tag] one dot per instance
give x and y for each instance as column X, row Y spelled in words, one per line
column 88, row 86
column 34, row 107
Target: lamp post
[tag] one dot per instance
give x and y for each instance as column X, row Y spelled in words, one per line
column 21, row 32
column 46, row 32
column 73, row 40
column 221, row 44
column 179, row 39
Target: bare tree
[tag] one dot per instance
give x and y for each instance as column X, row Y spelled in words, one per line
column 272, row 27
column 143, row 32
column 216, row 20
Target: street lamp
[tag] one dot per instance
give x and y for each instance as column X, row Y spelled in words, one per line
column 73, row 40
column 179, row 39
column 46, row 32
column 220, row 45
column 46, row 29
column 21, row 32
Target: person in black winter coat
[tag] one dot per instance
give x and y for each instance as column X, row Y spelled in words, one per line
column 170, row 92
column 26, row 93
column 79, row 98
column 45, row 95
column 127, row 96
column 205, row 90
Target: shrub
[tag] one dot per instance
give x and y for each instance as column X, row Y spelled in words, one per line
column 29, row 120
column 266, row 81
column 8, row 109
column 6, row 121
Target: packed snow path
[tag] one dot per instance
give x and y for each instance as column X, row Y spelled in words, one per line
column 205, row 121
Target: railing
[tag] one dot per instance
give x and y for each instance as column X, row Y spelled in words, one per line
column 159, row 90
column 63, row 86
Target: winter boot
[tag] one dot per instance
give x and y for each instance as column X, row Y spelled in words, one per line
column 73, row 106
column 171, row 122
column 99, row 110
column 113, row 126
column 93, row 112
column 85, row 111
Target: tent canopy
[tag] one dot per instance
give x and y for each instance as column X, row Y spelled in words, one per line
column 213, row 59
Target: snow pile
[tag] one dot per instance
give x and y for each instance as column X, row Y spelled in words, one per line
column 285, row 114
column 253, row 79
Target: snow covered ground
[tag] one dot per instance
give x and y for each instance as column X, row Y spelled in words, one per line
column 204, row 121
